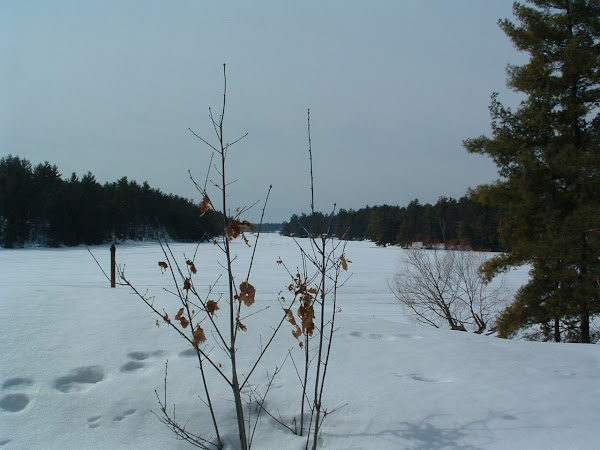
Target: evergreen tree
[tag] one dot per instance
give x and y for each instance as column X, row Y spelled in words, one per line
column 548, row 156
column 16, row 190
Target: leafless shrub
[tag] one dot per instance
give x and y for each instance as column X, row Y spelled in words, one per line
column 440, row 288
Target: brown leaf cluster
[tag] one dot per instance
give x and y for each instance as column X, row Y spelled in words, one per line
column 247, row 293
column 297, row 332
column 211, row 307
column 205, row 206
column 190, row 263
column 237, row 228
column 306, row 312
column 182, row 319
column 199, row 336
column 163, row 266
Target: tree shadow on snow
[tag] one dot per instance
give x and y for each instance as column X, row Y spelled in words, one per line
column 424, row 435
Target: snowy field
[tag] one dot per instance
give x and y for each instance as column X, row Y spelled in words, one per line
column 79, row 363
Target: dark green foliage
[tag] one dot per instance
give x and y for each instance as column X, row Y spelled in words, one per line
column 38, row 205
column 548, row 155
column 450, row 222
column 302, row 226
column 16, row 191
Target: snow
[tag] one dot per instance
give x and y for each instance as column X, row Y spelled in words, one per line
column 79, row 363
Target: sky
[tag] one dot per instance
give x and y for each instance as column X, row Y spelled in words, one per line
column 393, row 88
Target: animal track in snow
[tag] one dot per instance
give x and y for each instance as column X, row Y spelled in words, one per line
column 419, row 377
column 15, row 402
column 136, row 360
column 384, row 337
column 131, row 366
column 17, row 381
column 94, row 421
column 79, row 378
column 189, row 353
column 141, row 356
column 3, row 442
column 416, row 377
column 121, row 417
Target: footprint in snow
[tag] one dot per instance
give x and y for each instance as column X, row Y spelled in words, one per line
column 189, row 353
column 3, row 442
column 384, row 337
column 94, row 421
column 79, row 378
column 16, row 381
column 121, row 417
column 137, row 359
column 15, row 402
column 418, row 377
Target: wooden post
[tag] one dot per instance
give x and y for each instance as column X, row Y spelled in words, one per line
column 113, row 266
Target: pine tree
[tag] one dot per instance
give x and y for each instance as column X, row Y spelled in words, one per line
column 548, row 156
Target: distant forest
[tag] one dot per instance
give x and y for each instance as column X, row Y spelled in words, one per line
column 38, row 206
column 463, row 222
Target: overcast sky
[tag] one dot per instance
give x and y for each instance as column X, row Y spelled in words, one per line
column 393, row 88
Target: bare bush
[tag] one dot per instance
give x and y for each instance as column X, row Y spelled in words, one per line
column 440, row 288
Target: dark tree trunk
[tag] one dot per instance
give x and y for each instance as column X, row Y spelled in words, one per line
column 584, row 327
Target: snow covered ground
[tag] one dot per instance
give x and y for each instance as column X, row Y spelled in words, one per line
column 79, row 363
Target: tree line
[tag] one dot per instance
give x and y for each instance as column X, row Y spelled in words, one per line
column 463, row 222
column 38, row 205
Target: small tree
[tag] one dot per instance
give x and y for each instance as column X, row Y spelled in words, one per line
column 315, row 287
column 196, row 319
column 440, row 288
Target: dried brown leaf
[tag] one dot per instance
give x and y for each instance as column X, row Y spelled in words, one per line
column 211, row 307
column 290, row 315
column 163, row 266
column 190, row 263
column 307, row 313
column 205, row 206
column 199, row 335
column 344, row 262
column 187, row 284
column 179, row 314
column 247, row 293
column 297, row 332
column 241, row 326
column 184, row 322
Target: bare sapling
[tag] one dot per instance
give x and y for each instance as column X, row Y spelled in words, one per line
column 196, row 318
column 314, row 285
